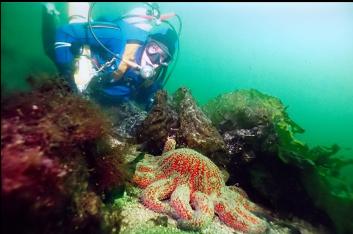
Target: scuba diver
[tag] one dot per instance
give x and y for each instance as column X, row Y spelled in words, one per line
column 113, row 61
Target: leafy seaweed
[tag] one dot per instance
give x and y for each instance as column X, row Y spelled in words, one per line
column 320, row 167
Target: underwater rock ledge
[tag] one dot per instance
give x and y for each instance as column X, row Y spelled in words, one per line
column 64, row 171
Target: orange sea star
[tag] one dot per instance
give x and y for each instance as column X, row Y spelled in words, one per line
column 195, row 189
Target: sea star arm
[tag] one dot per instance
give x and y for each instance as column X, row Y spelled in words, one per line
column 238, row 195
column 238, row 217
column 144, row 175
column 179, row 200
column 188, row 218
column 157, row 191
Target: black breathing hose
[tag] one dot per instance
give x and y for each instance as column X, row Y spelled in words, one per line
column 94, row 35
column 178, row 49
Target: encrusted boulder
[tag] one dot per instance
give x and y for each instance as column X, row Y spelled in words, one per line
column 195, row 131
column 248, row 120
column 161, row 122
column 179, row 117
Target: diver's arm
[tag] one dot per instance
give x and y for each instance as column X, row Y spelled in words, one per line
column 67, row 37
column 79, row 34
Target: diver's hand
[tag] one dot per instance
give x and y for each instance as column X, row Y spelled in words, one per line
column 51, row 9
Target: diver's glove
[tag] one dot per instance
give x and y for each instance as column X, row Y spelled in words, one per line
column 51, row 9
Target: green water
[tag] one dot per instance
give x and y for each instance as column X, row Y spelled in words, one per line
column 299, row 52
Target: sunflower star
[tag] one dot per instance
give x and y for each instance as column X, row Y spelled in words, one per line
column 196, row 190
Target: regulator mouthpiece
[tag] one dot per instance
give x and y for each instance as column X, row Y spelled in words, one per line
column 147, row 72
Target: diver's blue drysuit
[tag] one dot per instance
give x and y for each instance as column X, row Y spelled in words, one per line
column 116, row 37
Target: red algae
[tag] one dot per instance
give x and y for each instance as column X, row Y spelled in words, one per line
column 48, row 139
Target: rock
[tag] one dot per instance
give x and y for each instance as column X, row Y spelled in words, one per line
column 182, row 119
column 161, row 122
column 126, row 118
column 196, row 130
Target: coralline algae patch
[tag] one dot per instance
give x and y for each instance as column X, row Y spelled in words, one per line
column 137, row 219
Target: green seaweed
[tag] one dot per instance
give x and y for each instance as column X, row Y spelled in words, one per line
column 319, row 166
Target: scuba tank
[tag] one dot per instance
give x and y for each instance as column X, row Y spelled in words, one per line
column 78, row 12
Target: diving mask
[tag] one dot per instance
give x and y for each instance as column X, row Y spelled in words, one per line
column 156, row 53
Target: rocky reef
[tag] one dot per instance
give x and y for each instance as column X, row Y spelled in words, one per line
column 67, row 163
column 251, row 135
column 278, row 169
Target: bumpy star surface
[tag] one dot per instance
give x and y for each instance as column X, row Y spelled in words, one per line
column 190, row 187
